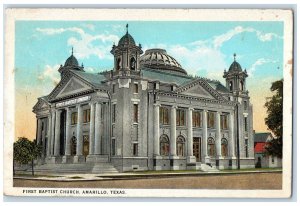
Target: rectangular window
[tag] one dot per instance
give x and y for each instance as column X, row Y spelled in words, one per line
column 210, row 119
column 245, row 105
column 86, row 115
column 74, row 118
column 113, row 147
column 113, row 113
column 135, row 112
column 180, row 117
column 164, row 115
column 246, row 148
column 136, row 88
column 224, row 121
column 113, row 88
column 246, row 124
column 135, row 149
column 197, row 119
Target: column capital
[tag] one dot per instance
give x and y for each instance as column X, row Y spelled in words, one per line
column 191, row 109
column 78, row 106
column 174, row 107
column 156, row 104
column 205, row 110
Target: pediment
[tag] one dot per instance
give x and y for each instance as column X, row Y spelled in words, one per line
column 73, row 86
column 200, row 88
column 41, row 105
column 198, row 91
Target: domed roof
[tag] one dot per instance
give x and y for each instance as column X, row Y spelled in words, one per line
column 71, row 61
column 235, row 66
column 160, row 60
column 126, row 40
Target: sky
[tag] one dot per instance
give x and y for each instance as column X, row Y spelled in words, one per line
column 202, row 48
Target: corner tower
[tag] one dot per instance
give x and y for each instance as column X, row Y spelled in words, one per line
column 236, row 84
column 126, row 56
column 70, row 63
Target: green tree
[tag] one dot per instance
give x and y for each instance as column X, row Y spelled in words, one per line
column 26, row 151
column 274, row 119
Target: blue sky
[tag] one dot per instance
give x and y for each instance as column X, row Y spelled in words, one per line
column 202, row 48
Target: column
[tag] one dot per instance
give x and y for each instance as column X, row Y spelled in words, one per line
column 204, row 119
column 39, row 131
column 49, row 135
column 173, row 132
column 231, row 135
column 57, row 133
column 68, row 134
column 79, row 149
column 52, row 137
column 156, row 132
column 218, row 135
column 92, row 129
column 190, row 132
column 97, row 129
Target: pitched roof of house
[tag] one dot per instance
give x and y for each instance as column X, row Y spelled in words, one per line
column 261, row 137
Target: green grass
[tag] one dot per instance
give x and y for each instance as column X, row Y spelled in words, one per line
column 162, row 171
column 30, row 175
column 251, row 169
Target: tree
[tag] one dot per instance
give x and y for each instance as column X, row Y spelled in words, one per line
column 274, row 119
column 26, row 151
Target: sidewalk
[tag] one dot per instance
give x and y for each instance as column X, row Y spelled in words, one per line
column 135, row 175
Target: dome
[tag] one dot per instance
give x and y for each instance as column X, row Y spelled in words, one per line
column 126, row 40
column 71, row 61
column 159, row 59
column 235, row 66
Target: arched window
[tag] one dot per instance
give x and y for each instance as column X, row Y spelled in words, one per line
column 211, row 147
column 132, row 63
column 118, row 64
column 73, row 145
column 180, row 145
column 230, row 86
column 242, row 85
column 164, row 145
column 224, row 147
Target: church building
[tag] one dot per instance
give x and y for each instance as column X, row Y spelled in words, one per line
column 146, row 113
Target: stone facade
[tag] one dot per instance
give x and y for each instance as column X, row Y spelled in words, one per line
column 146, row 114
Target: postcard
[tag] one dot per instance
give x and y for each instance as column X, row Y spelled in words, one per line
column 148, row 102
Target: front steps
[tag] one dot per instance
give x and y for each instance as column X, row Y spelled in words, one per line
column 78, row 168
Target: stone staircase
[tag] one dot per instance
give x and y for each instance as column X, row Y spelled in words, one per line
column 208, row 168
column 78, row 168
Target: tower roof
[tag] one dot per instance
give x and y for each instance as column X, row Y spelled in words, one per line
column 235, row 66
column 72, row 61
column 126, row 39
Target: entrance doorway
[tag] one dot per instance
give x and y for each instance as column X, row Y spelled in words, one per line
column 197, row 148
column 86, row 145
column 73, row 146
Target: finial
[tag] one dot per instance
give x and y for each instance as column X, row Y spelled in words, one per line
column 126, row 28
column 72, row 51
column 81, row 64
column 234, row 56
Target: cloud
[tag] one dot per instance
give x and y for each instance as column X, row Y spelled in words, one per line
column 86, row 45
column 258, row 63
column 219, row 40
column 50, row 73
